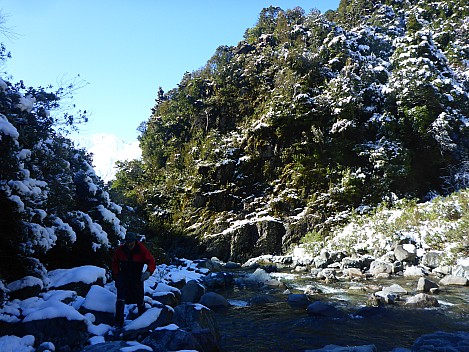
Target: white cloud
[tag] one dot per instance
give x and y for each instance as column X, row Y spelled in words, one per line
column 107, row 149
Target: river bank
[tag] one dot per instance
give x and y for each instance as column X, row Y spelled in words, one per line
column 207, row 305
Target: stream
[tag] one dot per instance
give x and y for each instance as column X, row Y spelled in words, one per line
column 276, row 326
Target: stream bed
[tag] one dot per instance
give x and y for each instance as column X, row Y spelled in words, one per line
column 276, row 326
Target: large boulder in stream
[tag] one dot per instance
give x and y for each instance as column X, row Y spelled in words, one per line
column 321, row 309
column 442, row 342
column 422, row 300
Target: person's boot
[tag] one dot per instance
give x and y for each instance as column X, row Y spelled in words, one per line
column 119, row 317
column 141, row 309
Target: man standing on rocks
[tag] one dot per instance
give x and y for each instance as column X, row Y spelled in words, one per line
column 127, row 267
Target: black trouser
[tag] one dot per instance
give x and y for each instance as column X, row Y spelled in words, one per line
column 128, row 292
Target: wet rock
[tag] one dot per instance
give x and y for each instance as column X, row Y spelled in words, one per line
column 195, row 317
column 173, row 339
column 391, row 294
column 375, row 300
column 442, row 342
column 219, row 280
column 422, row 300
column 166, row 298
column 395, row 289
column 426, row 285
column 369, row 312
column 312, row 290
column 192, row 292
column 320, row 309
column 298, row 300
column 214, row 300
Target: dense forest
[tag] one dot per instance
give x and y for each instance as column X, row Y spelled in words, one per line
column 310, row 119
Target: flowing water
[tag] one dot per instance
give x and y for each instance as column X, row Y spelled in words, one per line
column 278, row 327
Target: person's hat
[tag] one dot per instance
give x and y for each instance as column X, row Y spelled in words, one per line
column 131, row 237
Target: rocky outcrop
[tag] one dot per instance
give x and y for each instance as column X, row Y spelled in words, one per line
column 247, row 240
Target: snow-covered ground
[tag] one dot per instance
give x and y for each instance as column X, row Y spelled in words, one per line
column 49, row 304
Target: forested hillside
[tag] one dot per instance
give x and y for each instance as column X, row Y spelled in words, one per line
column 309, row 119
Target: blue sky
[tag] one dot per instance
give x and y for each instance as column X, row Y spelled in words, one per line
column 125, row 50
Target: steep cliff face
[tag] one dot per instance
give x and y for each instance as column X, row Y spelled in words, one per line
column 308, row 119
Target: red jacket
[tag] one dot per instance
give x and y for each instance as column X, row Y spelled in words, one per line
column 140, row 254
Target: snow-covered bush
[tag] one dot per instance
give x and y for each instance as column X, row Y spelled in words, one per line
column 54, row 210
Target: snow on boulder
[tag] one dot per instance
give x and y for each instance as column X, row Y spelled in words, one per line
column 17, row 344
column 79, row 279
column 101, row 303
column 148, row 321
column 183, row 276
column 100, row 299
column 51, row 309
column 26, row 287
